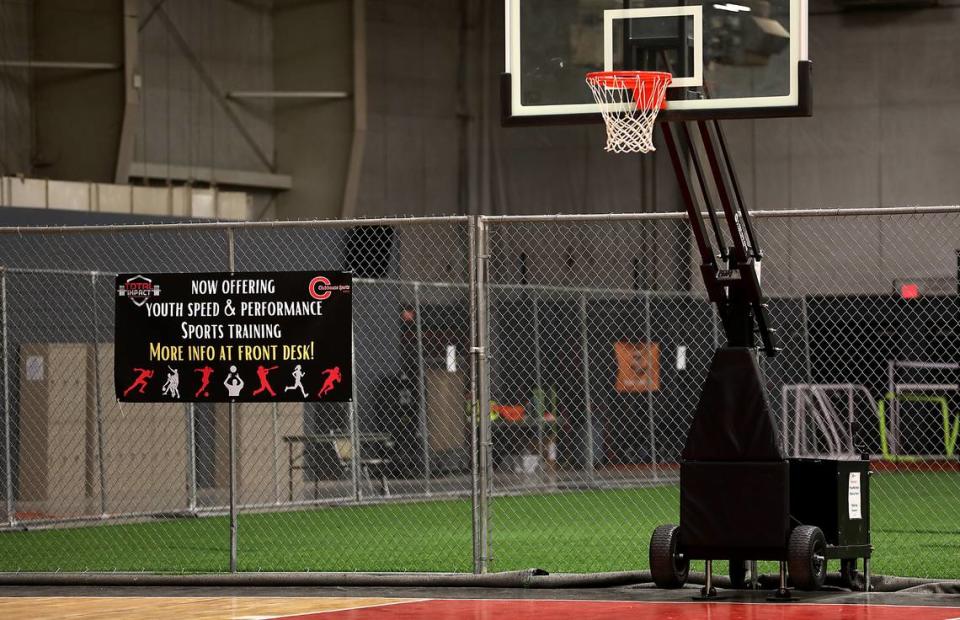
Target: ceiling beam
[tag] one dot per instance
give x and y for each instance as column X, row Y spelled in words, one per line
column 287, row 94
column 199, row 174
column 54, row 64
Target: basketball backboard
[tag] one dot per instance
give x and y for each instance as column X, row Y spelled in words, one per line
column 729, row 58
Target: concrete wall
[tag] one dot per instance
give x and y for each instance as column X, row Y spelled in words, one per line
column 78, row 113
column 182, row 202
column 886, row 95
column 313, row 51
column 56, row 123
column 16, row 115
column 188, row 61
column 420, row 54
column 883, row 133
column 884, row 130
column 244, row 46
column 182, row 122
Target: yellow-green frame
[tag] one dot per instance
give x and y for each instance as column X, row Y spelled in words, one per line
column 950, row 432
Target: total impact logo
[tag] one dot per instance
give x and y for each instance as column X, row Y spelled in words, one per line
column 139, row 290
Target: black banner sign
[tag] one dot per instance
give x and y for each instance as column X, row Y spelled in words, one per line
column 244, row 337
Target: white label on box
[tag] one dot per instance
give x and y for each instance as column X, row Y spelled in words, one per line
column 681, row 357
column 853, row 496
column 34, row 368
column 451, row 358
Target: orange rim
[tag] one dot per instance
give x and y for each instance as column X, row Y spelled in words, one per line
column 633, row 80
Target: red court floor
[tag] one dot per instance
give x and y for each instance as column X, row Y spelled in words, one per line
column 325, row 603
column 589, row 610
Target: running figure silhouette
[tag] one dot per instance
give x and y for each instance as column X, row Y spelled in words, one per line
column 204, row 380
column 140, row 381
column 333, row 377
column 298, row 376
column 262, row 372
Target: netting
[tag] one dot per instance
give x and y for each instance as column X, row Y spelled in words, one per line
column 629, row 102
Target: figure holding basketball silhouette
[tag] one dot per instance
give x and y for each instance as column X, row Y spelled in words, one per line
column 172, row 387
column 140, row 382
column 262, row 372
column 333, row 377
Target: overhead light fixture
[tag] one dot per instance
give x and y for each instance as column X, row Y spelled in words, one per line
column 733, row 8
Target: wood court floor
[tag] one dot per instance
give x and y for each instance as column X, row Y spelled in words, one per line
column 180, row 608
column 376, row 608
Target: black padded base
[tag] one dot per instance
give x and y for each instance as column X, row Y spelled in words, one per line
column 734, row 510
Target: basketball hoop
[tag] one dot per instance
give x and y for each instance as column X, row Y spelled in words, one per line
column 629, row 102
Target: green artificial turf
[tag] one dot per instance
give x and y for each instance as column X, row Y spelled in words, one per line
column 916, row 532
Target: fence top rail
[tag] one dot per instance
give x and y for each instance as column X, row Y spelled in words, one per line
column 448, row 219
column 236, row 226
column 678, row 215
column 528, row 289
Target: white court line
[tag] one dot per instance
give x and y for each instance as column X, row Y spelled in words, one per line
column 333, row 611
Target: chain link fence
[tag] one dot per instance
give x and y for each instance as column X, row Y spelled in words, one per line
column 589, row 337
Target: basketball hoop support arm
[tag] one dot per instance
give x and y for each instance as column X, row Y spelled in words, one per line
column 732, row 274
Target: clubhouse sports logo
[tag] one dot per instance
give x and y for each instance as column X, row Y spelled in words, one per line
column 321, row 289
column 139, row 290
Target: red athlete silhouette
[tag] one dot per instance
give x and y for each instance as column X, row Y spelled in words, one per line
column 140, row 381
column 205, row 380
column 333, row 377
column 262, row 372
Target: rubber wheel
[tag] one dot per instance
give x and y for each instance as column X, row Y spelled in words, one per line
column 738, row 574
column 667, row 569
column 805, row 558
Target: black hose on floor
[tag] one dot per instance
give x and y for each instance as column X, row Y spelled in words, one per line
column 531, row 578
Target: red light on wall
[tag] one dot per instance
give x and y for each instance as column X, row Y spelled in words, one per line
column 909, row 291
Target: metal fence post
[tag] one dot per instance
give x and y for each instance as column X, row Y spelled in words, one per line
column 538, row 383
column 191, row 458
column 805, row 317
column 648, row 335
column 483, row 262
column 96, row 396
column 479, row 395
column 422, row 389
column 232, row 439
column 474, row 407
column 232, row 421
column 354, row 427
column 807, row 369
column 7, row 455
column 276, row 456
column 587, row 396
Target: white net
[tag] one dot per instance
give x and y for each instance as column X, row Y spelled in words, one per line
column 629, row 102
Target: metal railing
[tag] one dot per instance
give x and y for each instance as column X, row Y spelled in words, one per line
column 523, row 390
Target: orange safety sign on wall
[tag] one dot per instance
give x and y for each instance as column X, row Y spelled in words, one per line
column 638, row 366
